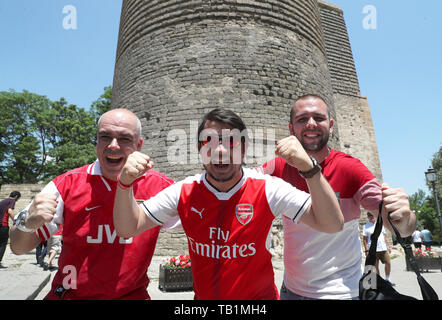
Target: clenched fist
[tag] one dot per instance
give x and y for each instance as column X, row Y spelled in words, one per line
column 291, row 150
column 137, row 165
column 42, row 210
column 396, row 203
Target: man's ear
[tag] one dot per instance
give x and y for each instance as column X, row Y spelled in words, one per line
column 140, row 144
column 244, row 146
column 291, row 129
column 331, row 126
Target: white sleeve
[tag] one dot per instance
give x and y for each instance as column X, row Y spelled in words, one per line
column 163, row 206
column 285, row 199
column 173, row 224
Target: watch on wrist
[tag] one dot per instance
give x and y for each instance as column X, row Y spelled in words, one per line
column 21, row 220
column 310, row 173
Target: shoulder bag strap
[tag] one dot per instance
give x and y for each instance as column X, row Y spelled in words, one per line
column 371, row 257
column 427, row 291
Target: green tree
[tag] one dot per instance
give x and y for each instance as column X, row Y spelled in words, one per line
column 425, row 209
column 437, row 166
column 40, row 138
column 70, row 138
column 417, row 199
column 21, row 157
column 102, row 104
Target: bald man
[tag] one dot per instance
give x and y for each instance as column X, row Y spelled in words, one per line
column 94, row 262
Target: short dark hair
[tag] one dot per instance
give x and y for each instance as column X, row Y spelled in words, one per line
column 223, row 116
column 308, row 95
column 15, row 194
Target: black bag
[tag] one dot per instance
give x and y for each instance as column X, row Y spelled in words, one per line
column 373, row 287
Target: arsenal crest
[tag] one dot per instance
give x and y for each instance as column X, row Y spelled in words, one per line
column 244, row 213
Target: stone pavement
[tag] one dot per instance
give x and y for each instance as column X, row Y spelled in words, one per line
column 23, row 279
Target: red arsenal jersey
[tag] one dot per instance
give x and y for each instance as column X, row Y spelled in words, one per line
column 229, row 232
column 94, row 262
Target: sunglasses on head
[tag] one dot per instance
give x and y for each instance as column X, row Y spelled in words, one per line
column 227, row 141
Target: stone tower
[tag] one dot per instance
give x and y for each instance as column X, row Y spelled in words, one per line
column 178, row 59
column 356, row 132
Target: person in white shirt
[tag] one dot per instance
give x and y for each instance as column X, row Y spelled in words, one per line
column 382, row 249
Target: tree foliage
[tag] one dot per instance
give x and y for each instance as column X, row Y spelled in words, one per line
column 437, row 166
column 424, row 205
column 102, row 104
column 40, row 138
column 425, row 208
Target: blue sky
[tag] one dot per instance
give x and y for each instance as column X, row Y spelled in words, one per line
column 399, row 65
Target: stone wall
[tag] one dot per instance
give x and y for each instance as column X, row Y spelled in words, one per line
column 356, row 131
column 176, row 60
column 338, row 50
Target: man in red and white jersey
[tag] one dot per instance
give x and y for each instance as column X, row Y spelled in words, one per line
column 95, row 263
column 227, row 211
column 329, row 266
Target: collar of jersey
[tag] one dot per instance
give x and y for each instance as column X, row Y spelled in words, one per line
column 95, row 168
column 228, row 194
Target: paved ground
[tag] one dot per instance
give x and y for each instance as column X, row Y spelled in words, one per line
column 22, row 279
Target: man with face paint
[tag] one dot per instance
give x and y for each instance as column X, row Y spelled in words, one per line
column 227, row 211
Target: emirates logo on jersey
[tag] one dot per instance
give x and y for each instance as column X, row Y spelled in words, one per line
column 244, row 213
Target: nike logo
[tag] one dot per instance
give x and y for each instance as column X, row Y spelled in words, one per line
column 89, row 209
column 199, row 212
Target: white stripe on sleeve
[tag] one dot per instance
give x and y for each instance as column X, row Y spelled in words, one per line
column 163, row 206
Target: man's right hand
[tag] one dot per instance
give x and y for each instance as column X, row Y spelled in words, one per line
column 42, row 210
column 137, row 164
column 291, row 150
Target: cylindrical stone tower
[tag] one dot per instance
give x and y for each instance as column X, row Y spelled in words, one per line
column 178, row 59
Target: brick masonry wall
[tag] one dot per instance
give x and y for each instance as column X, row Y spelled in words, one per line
column 253, row 57
column 338, row 49
column 356, row 131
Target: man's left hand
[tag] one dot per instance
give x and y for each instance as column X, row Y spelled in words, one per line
column 396, row 203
